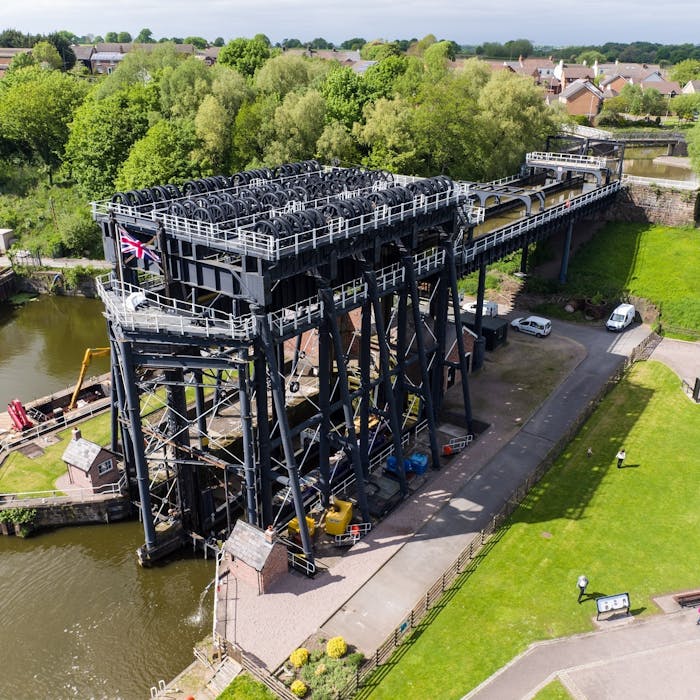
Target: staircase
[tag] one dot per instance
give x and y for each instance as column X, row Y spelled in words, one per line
column 224, row 674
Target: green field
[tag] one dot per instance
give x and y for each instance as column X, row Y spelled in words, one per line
column 634, row 529
column 657, row 263
column 20, row 473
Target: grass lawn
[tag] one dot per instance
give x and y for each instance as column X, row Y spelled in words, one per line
column 553, row 691
column 246, row 688
column 635, row 529
column 19, row 473
column 658, row 263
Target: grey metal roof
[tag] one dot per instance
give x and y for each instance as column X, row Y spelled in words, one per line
column 248, row 544
column 81, row 453
column 107, row 56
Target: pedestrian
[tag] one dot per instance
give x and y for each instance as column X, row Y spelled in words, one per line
column 582, row 582
column 621, row 457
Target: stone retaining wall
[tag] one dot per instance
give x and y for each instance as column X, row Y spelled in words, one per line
column 653, row 204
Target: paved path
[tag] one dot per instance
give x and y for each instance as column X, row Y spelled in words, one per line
column 681, row 356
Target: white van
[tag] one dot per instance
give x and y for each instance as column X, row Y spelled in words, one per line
column 620, row 318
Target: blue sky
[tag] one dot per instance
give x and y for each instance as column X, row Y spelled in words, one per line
column 544, row 22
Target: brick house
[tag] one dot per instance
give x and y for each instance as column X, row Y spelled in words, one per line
column 570, row 73
column 582, row 98
column 6, row 56
column 255, row 556
column 90, row 466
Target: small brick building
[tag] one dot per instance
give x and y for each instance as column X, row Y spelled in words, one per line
column 254, row 556
column 89, row 465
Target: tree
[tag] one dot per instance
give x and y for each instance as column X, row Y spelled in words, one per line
column 213, row 128
column 219, row 41
column 377, row 50
column 161, row 156
column 684, row 106
column 253, row 129
column 685, row 71
column 101, row 135
column 420, row 47
column 124, row 38
column 245, row 55
column 354, row 44
column 590, row 57
column 693, row 139
column 345, row 96
column 111, row 38
column 282, row 74
column 197, row 41
column 62, row 45
column 263, row 39
column 21, row 60
column 297, row 125
column 518, row 47
column 45, row 55
column 182, row 88
column 319, row 43
column 145, row 36
column 380, row 78
column 292, row 44
column 36, row 108
column 337, row 144
column 437, row 58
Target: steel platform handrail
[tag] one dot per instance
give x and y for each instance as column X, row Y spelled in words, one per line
column 490, row 240
column 541, row 157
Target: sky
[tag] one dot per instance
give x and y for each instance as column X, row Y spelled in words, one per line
column 543, row 22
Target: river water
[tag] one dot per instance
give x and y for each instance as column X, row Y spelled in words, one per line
column 79, row 618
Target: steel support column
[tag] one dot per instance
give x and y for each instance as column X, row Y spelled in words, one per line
column 263, row 424
column 563, row 270
column 267, row 347
column 480, row 342
column 248, row 452
column 324, row 404
column 409, row 271
column 326, row 296
column 365, row 384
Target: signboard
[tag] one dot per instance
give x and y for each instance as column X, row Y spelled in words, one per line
column 613, row 603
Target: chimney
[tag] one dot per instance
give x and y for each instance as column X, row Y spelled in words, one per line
column 270, row 534
column 76, row 434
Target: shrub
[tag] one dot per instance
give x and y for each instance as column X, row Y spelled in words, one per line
column 299, row 657
column 299, row 688
column 336, row 647
column 320, row 670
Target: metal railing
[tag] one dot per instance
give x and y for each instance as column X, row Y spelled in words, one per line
column 541, row 157
column 490, row 240
column 8, row 500
column 654, row 181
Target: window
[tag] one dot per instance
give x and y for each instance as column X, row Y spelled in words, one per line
column 104, row 467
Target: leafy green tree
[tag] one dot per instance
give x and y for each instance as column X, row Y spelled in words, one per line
column 345, row 96
column 388, row 135
column 518, row 47
column 420, row 47
column 684, row 106
column 377, row 50
column 685, row 71
column 145, row 36
column 590, row 57
column 320, row 43
column 253, row 130
column 213, row 129
column 693, row 139
column 263, row 39
column 101, row 135
column 45, row 55
column 14, row 39
column 297, row 125
column 197, row 41
column 62, row 45
column 219, row 41
column 36, row 107
column 111, row 38
column 162, row 155
column 182, row 88
column 292, row 44
column 380, row 79
column 230, row 88
column 354, row 44
column 283, row 74
column 437, row 58
column 124, row 38
column 21, row 60
column 336, row 144
column 245, row 55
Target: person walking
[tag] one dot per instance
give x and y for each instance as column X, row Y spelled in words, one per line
column 621, row 457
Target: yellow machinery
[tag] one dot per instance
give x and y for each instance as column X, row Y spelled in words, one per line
column 87, row 358
column 338, row 517
column 293, row 526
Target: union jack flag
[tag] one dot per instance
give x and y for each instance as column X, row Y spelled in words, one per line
column 135, row 247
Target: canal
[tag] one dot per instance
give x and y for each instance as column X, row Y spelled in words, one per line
column 79, row 617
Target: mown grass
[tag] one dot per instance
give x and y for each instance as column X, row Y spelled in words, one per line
column 553, row 691
column 244, row 687
column 634, row 529
column 21, row 474
column 658, row 263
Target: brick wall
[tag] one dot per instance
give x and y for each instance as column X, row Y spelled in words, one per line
column 646, row 203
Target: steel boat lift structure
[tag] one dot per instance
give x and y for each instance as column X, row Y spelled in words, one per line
column 307, row 309
column 277, row 334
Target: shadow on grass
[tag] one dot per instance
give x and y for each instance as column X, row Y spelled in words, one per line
column 567, row 490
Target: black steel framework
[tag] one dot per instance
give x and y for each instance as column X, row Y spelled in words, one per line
column 277, row 334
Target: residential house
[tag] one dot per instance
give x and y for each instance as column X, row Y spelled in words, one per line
column 107, row 56
column 6, row 56
column 90, row 466
column 568, row 73
column 582, row 97
column 83, row 54
column 692, row 87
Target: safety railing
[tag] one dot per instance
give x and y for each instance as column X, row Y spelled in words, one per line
column 9, row 500
column 656, row 182
column 541, row 157
column 490, row 240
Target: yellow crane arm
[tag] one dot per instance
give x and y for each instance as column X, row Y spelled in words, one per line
column 87, row 358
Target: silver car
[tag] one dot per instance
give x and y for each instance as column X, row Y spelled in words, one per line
column 533, row 324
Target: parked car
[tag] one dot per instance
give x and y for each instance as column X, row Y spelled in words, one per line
column 621, row 317
column 533, row 324
column 489, row 308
